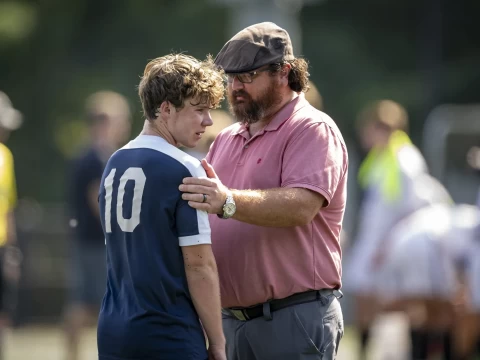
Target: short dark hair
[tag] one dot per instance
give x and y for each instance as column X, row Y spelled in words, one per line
column 177, row 77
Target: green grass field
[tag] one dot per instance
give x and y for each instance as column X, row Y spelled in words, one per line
column 46, row 343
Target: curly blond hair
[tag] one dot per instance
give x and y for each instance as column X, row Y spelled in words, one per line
column 178, row 77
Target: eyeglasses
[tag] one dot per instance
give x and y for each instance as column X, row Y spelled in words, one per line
column 246, row 78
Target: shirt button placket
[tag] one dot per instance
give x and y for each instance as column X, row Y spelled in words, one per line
column 243, row 155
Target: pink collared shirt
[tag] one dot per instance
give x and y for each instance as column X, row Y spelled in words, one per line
column 300, row 148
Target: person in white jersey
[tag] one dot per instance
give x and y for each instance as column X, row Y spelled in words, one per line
column 419, row 265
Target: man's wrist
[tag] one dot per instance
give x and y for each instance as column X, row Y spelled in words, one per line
column 229, row 207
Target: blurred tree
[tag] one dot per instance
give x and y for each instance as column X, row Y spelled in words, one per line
column 54, row 53
column 68, row 50
column 419, row 53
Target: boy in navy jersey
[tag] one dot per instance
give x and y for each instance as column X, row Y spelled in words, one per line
column 161, row 274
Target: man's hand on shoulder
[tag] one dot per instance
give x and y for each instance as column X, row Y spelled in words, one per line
column 215, row 192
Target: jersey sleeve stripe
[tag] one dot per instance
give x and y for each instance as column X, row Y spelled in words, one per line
column 195, row 240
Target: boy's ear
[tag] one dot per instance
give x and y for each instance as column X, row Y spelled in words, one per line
column 165, row 107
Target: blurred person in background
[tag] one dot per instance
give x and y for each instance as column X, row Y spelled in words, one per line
column 108, row 116
column 10, row 255
column 277, row 205
column 386, row 177
column 418, row 266
column 221, row 120
column 162, row 282
column 467, row 334
column 313, row 96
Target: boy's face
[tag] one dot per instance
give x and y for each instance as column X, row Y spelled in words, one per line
column 188, row 125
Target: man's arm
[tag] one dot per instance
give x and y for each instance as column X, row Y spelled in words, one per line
column 203, row 284
column 92, row 191
column 280, row 207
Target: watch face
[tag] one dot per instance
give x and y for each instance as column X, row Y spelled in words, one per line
column 229, row 209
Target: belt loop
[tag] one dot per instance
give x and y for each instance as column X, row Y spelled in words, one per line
column 267, row 313
column 338, row 293
column 323, row 299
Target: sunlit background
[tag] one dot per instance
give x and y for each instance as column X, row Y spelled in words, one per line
column 53, row 54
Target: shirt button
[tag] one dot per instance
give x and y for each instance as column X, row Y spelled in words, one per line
column 246, row 146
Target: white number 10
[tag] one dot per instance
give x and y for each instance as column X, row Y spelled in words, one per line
column 127, row 225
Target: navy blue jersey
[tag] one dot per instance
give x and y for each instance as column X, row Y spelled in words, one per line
column 147, row 311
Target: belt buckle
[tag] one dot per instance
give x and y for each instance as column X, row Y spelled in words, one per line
column 239, row 314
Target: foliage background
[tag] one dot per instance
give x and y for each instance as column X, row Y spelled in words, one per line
column 54, row 53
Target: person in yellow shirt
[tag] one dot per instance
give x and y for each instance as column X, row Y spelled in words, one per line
column 387, row 178
column 10, row 256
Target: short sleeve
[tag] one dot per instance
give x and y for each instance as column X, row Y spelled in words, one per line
column 91, row 170
column 316, row 159
column 85, row 171
column 192, row 225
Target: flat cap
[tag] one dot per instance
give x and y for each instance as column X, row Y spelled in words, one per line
column 255, row 46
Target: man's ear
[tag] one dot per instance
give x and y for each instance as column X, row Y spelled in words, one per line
column 285, row 71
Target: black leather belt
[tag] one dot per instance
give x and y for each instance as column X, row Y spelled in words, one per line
column 256, row 311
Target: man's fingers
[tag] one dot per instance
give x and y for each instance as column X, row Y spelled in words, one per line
column 194, row 197
column 209, row 169
column 199, row 205
column 198, row 181
column 196, row 189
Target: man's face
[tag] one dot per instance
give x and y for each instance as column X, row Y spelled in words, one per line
column 118, row 130
column 372, row 135
column 251, row 102
column 188, row 125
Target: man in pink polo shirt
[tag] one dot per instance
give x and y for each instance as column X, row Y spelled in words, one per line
column 277, row 196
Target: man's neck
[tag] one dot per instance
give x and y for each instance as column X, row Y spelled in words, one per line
column 259, row 125
column 153, row 129
column 102, row 149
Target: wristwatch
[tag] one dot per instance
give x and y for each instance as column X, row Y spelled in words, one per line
column 229, row 207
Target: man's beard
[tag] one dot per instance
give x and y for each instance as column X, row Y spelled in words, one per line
column 250, row 111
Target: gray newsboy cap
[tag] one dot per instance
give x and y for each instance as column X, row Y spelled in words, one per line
column 255, row 46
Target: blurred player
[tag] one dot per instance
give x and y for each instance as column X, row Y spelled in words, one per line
column 162, row 275
column 10, row 257
column 467, row 327
column 387, row 177
column 416, row 268
column 108, row 117
column 314, row 97
column 420, row 266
